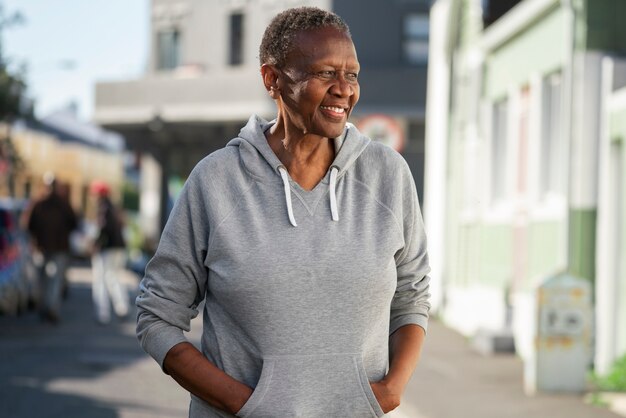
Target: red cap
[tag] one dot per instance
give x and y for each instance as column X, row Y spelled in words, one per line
column 100, row 188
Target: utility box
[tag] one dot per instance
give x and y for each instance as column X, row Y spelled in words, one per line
column 563, row 339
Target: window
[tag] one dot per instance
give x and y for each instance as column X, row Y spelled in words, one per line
column 550, row 177
column 416, row 29
column 168, row 44
column 499, row 128
column 236, row 39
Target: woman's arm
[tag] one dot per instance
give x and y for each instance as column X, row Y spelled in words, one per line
column 174, row 285
column 405, row 346
column 198, row 375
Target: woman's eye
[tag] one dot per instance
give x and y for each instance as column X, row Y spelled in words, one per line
column 327, row 74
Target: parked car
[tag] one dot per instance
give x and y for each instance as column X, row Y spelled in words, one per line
column 18, row 279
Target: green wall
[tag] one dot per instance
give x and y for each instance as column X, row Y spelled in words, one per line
column 527, row 53
column 485, row 254
column 496, row 263
column 468, row 254
column 617, row 123
column 582, row 243
column 546, row 245
column 602, row 25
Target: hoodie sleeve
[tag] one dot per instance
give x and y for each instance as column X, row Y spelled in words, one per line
column 176, row 278
column 410, row 304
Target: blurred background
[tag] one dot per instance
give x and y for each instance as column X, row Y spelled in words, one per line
column 510, row 114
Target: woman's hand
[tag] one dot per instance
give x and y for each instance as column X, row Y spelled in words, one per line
column 405, row 347
column 387, row 394
column 198, row 375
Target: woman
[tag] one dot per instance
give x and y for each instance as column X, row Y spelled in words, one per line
column 305, row 241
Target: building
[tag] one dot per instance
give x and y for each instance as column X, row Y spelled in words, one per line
column 203, row 83
column 525, row 162
column 76, row 152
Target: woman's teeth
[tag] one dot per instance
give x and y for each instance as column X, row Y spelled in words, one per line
column 334, row 109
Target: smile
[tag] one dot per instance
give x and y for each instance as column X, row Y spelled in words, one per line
column 334, row 109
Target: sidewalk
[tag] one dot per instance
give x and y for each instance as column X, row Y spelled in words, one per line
column 79, row 369
column 453, row 381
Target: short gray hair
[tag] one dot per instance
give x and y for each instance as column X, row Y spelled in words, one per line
column 284, row 27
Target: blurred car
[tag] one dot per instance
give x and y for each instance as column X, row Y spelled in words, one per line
column 19, row 289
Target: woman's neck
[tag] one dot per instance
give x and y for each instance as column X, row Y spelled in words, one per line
column 307, row 157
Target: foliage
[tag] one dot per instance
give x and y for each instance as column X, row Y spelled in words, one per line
column 12, row 105
column 9, row 157
column 615, row 380
column 596, row 399
column 130, row 197
column 13, row 102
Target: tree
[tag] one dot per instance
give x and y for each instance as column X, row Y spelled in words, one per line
column 13, row 104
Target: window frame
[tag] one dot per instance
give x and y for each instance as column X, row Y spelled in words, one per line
column 415, row 36
column 168, row 60
column 236, row 39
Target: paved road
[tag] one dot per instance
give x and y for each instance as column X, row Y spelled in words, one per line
column 79, row 369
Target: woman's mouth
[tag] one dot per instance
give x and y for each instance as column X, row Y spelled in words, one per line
column 334, row 111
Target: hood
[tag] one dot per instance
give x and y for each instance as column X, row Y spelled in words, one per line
column 260, row 161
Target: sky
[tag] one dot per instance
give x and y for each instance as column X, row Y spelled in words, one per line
column 104, row 39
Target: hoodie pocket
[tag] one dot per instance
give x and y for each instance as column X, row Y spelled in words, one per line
column 312, row 386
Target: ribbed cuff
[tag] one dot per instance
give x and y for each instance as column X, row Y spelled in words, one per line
column 160, row 340
column 407, row 319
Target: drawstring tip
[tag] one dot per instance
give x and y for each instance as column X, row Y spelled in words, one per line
column 333, row 194
column 285, row 177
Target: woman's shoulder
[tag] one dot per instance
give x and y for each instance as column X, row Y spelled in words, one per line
column 220, row 159
column 381, row 160
column 218, row 173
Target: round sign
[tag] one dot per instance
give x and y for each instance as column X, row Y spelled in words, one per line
column 383, row 128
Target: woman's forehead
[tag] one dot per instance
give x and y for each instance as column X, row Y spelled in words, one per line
column 321, row 43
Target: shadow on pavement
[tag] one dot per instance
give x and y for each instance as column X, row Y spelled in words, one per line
column 43, row 367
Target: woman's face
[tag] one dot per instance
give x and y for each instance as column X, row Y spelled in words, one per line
column 318, row 85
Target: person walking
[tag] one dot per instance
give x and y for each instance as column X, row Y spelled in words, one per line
column 50, row 224
column 109, row 257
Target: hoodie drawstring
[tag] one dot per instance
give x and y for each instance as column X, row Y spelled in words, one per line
column 334, row 171
column 333, row 193
column 285, row 177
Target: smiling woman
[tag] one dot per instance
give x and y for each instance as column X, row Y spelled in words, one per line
column 305, row 314
column 315, row 90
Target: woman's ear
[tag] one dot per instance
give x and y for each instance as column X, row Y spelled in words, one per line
column 270, row 79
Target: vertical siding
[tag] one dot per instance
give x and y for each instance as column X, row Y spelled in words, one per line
column 497, row 256
column 544, row 247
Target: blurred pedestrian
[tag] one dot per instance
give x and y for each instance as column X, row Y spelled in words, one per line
column 50, row 223
column 109, row 258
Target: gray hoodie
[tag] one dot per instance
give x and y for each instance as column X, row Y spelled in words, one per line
column 302, row 288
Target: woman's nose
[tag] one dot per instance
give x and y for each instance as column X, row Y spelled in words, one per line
column 342, row 87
